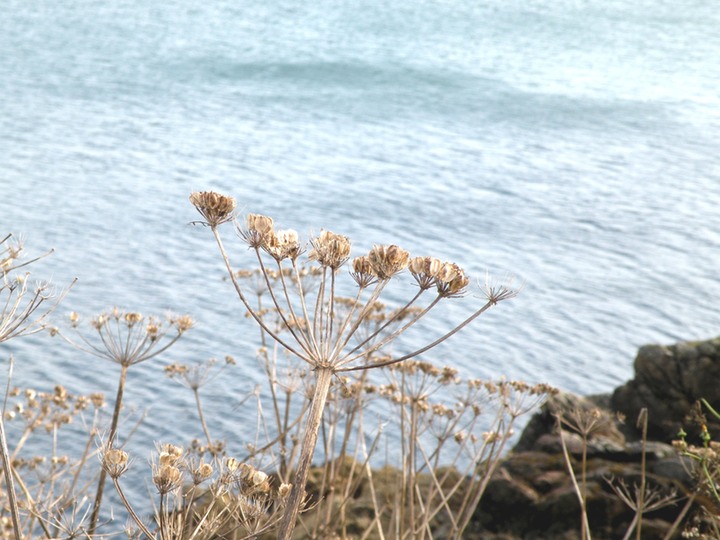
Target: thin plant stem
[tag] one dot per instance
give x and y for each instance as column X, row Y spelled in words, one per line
column 252, row 312
column 462, row 325
column 205, row 429
column 130, row 510
column 303, row 304
column 585, row 525
column 643, row 421
column 318, row 314
column 309, row 341
column 8, row 469
column 342, row 343
column 387, row 323
column 302, row 342
column 110, row 441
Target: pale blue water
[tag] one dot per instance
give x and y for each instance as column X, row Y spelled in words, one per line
column 573, row 144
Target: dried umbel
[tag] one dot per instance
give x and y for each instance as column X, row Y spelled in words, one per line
column 167, row 478
column 362, row 271
column 330, row 249
column 386, row 261
column 283, row 245
column 284, row 490
column 170, row 454
column 451, row 280
column 201, row 473
column 259, row 231
column 425, row 270
column 214, row 207
column 129, row 338
column 115, row 462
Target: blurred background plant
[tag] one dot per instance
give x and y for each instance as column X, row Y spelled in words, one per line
column 24, row 309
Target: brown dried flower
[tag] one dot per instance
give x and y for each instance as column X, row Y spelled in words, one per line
column 132, row 318
column 214, row 207
column 259, row 232
column 330, row 249
column 283, row 245
column 362, row 271
column 284, row 490
column 425, row 270
column 451, row 280
column 115, row 462
column 201, row 473
column 183, row 323
column 169, row 454
column 98, row 399
column 167, row 478
column 386, row 261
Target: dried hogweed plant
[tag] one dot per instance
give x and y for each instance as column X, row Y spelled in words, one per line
column 126, row 338
column 195, row 377
column 317, row 334
column 23, row 311
column 198, row 499
column 49, row 472
column 453, row 432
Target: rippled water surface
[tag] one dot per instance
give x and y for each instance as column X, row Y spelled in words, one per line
column 572, row 144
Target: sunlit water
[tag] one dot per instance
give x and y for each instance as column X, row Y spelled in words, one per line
column 571, row 144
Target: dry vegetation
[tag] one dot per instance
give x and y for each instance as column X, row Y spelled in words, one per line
column 328, row 373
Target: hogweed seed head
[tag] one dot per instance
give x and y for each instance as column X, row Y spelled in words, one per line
column 362, row 271
column 201, row 473
column 330, row 249
column 425, row 270
column 451, row 280
column 258, row 477
column 214, row 207
column 284, row 490
column 152, row 330
column 386, row 261
column 167, row 478
column 132, row 318
column 169, row 454
column 497, row 291
column 115, row 462
column 283, row 245
column 183, row 323
column 232, row 464
column 259, row 231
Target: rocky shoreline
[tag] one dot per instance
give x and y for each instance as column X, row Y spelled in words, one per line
column 532, row 495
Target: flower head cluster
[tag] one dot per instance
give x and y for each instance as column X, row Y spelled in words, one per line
column 330, row 249
column 449, row 278
column 214, row 207
column 386, row 261
column 197, row 375
column 49, row 410
column 8, row 255
column 128, row 337
column 167, row 475
column 283, row 245
column 115, row 461
column 258, row 231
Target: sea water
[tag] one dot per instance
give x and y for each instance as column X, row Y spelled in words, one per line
column 574, row 145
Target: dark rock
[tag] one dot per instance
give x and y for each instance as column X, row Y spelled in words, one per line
column 668, row 381
column 605, row 437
